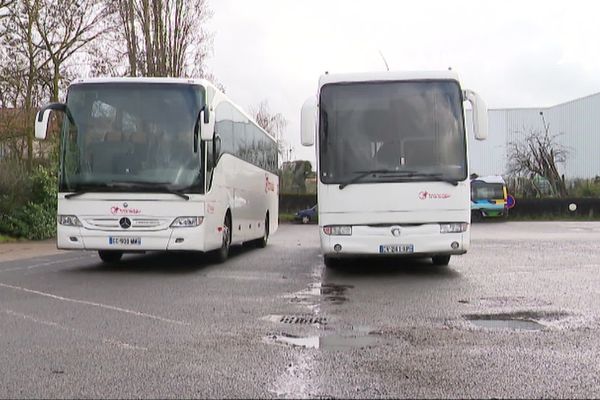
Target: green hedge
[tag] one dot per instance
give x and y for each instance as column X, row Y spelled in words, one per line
column 35, row 217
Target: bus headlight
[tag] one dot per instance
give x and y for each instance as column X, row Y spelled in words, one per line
column 338, row 230
column 187, row 222
column 455, row 227
column 69, row 220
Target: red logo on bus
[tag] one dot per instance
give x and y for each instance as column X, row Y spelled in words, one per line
column 424, row 195
column 269, row 186
column 116, row 210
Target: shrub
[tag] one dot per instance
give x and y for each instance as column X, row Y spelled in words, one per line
column 586, row 188
column 35, row 218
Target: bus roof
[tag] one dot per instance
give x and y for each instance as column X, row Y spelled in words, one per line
column 191, row 81
column 388, row 76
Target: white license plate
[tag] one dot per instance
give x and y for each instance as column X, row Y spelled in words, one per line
column 124, row 241
column 396, row 249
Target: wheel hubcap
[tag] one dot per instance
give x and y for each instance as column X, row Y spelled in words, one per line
column 225, row 236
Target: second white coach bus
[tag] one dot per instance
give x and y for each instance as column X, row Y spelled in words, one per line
column 161, row 164
column 392, row 163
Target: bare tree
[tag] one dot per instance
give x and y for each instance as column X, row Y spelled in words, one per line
column 4, row 4
column 274, row 123
column 22, row 67
column 37, row 38
column 66, row 26
column 162, row 37
column 538, row 154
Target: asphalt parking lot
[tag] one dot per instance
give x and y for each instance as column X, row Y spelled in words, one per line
column 518, row 316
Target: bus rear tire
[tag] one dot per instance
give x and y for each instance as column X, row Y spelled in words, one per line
column 110, row 256
column 441, row 260
column 262, row 242
column 222, row 254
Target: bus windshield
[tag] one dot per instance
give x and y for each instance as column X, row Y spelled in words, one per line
column 131, row 137
column 412, row 131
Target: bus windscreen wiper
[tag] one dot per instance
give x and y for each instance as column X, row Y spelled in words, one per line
column 363, row 174
column 86, row 188
column 398, row 174
column 160, row 187
column 436, row 176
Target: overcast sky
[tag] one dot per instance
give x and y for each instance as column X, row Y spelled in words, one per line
column 513, row 53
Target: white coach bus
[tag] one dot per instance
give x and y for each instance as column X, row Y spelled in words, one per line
column 161, row 164
column 392, row 163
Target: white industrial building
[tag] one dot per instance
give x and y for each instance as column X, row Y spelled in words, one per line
column 578, row 122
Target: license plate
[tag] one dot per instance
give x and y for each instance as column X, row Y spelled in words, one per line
column 397, row 249
column 124, row 241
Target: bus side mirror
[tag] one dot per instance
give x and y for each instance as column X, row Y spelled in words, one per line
column 206, row 124
column 43, row 116
column 480, row 115
column 41, row 124
column 308, row 121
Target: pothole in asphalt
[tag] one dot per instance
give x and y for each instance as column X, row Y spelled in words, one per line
column 514, row 324
column 525, row 320
column 507, row 301
column 329, row 342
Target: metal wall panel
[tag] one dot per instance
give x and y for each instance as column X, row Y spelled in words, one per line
column 577, row 122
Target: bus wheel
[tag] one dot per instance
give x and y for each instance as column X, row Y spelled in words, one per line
column 332, row 262
column 476, row 216
column 222, row 254
column 441, row 260
column 110, row 256
column 262, row 242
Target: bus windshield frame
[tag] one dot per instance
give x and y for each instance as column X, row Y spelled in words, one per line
column 413, row 130
column 132, row 137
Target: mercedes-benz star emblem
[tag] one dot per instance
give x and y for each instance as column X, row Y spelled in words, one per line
column 125, row 223
column 125, row 205
column 396, row 231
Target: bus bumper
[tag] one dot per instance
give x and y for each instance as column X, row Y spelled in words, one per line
column 172, row 239
column 417, row 241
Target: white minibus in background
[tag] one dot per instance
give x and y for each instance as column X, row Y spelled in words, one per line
column 161, row 164
column 392, row 163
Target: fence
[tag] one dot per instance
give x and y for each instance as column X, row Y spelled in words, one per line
column 584, row 207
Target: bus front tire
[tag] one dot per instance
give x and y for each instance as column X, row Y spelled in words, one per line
column 441, row 260
column 332, row 262
column 110, row 256
column 222, row 254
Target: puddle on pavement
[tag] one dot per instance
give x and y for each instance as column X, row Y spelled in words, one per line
column 514, row 324
column 329, row 342
column 517, row 321
column 507, row 301
column 328, row 292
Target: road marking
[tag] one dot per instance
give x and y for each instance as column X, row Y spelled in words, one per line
column 45, row 264
column 33, row 319
column 93, row 304
column 112, row 342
